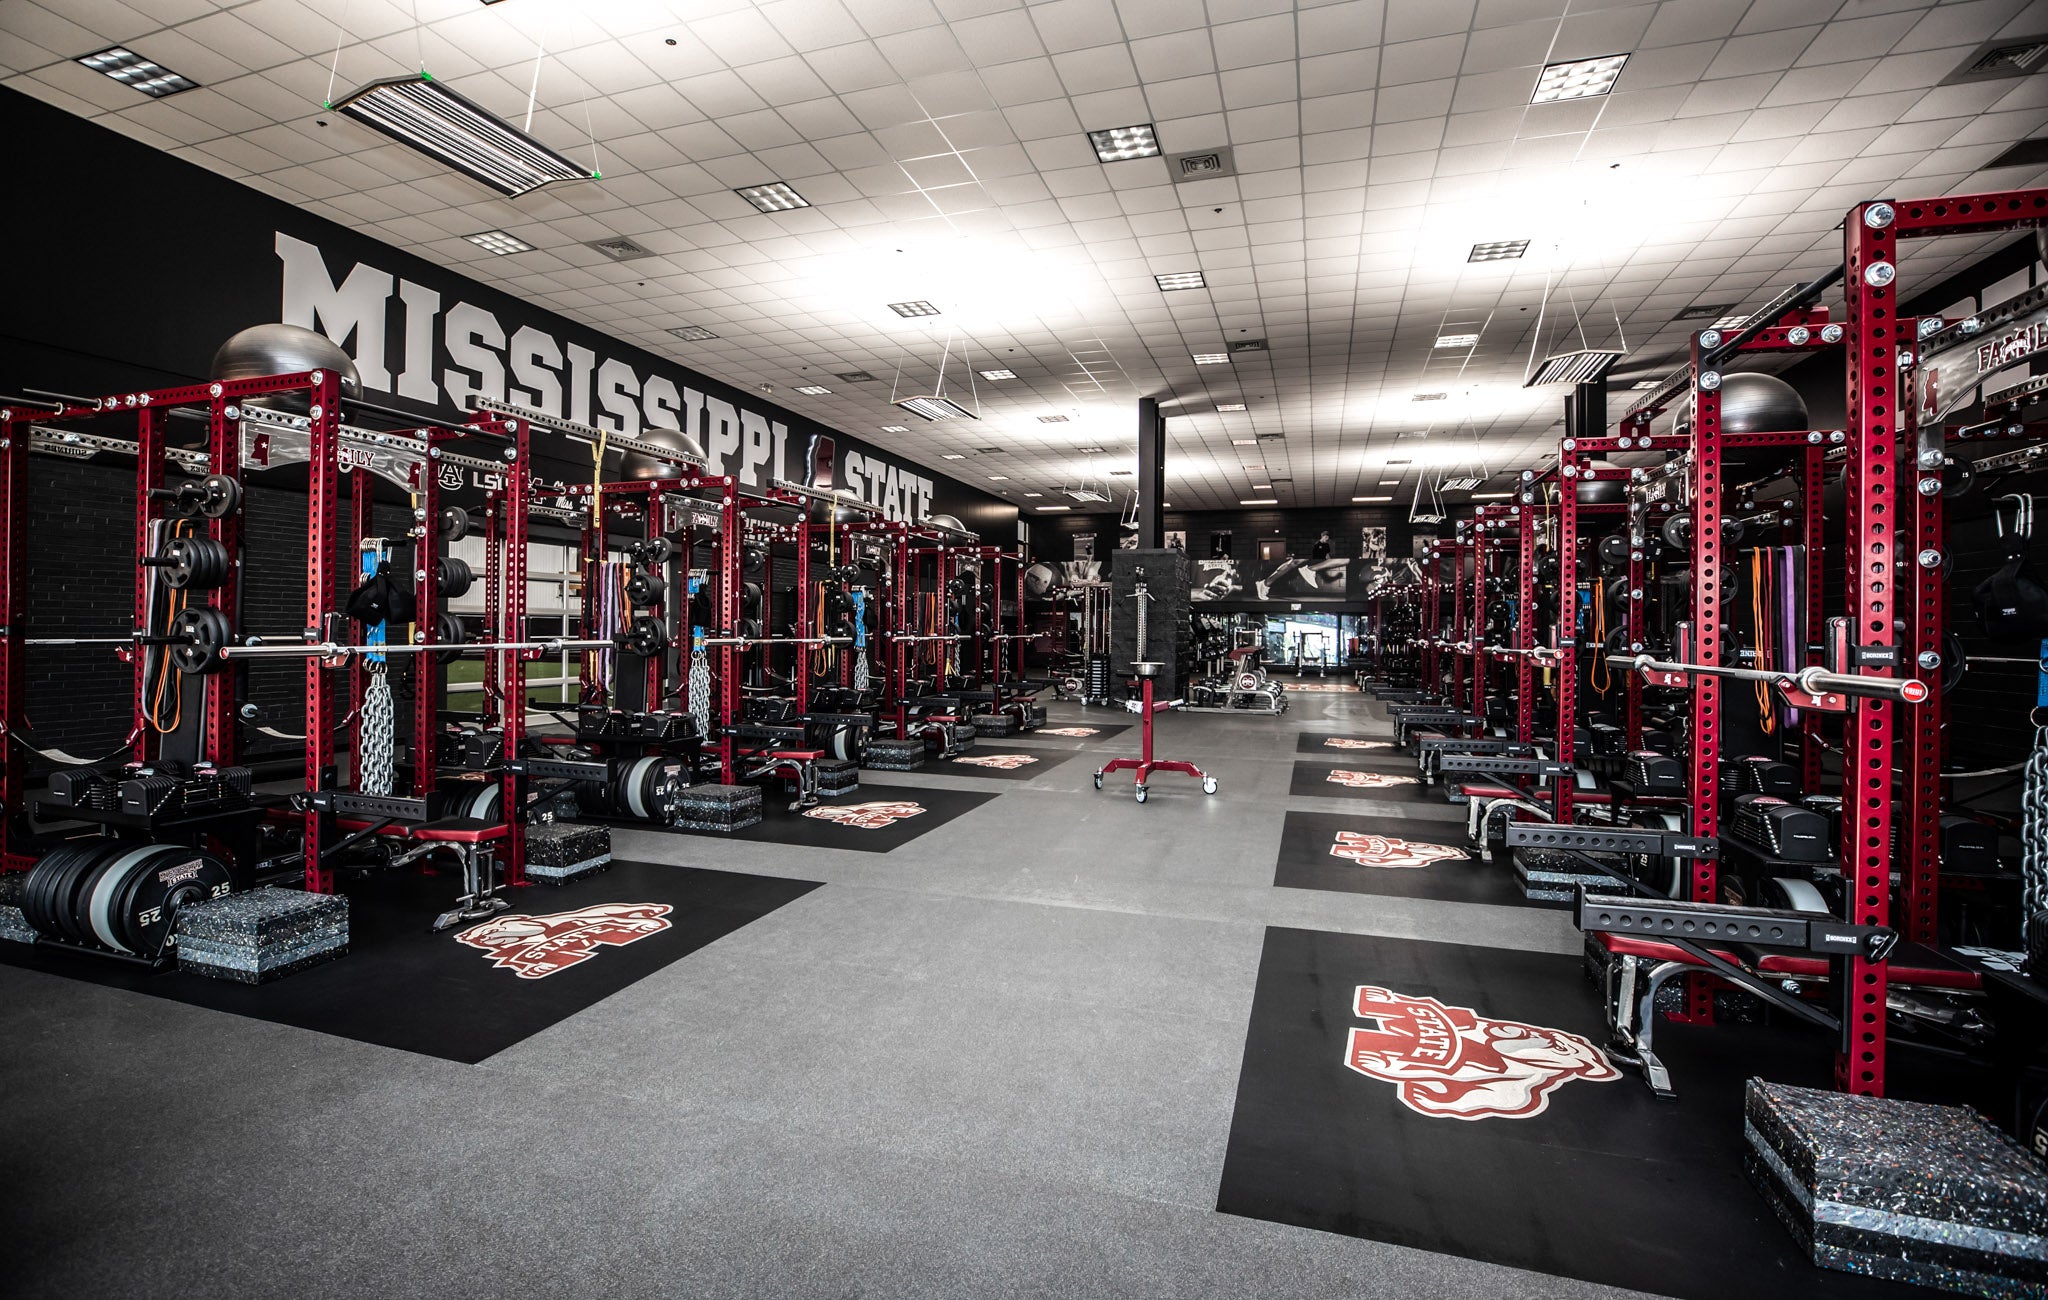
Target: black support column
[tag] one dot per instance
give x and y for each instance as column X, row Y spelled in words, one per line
column 1151, row 475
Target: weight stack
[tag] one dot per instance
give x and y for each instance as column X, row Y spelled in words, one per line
column 1169, row 625
column 262, row 935
column 721, row 807
column 837, row 776
column 563, row 851
column 890, row 754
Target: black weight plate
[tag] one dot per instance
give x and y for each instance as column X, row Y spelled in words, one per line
column 454, row 523
column 1614, row 550
column 449, row 631
column 456, row 577
column 1955, row 661
column 1677, row 532
column 195, row 562
column 643, row 589
column 100, row 909
column 166, row 880
column 204, row 631
column 220, row 496
column 68, row 902
column 35, row 892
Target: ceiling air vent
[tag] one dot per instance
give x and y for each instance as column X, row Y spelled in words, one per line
column 2005, row 57
column 620, row 248
column 1705, row 311
column 1248, row 345
column 855, row 377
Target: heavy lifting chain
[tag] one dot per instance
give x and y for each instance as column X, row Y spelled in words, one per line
column 700, row 690
column 2034, row 828
column 379, row 736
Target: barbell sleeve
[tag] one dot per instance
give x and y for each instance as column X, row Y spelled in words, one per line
column 1813, row 681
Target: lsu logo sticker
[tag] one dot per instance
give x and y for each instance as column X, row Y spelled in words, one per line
column 868, row 816
column 1345, row 742
column 1001, row 762
column 1453, row 1063
column 1371, row 780
column 536, row 947
column 1070, row 731
column 1385, row 851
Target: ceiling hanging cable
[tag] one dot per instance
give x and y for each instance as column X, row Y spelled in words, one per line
column 340, row 34
column 540, row 48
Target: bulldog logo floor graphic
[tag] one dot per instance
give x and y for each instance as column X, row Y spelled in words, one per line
column 1070, row 731
column 868, row 816
column 1385, row 851
column 1345, row 742
column 1453, row 1063
column 536, row 947
column 1371, row 780
column 1001, row 762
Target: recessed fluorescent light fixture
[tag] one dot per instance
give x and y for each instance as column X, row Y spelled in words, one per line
column 936, row 408
column 1262, row 487
column 424, row 114
column 813, row 390
column 998, row 374
column 1089, row 451
column 895, row 428
column 1580, row 367
column 1403, row 461
column 131, row 69
column 692, row 333
column 855, row 377
column 951, row 455
column 1390, row 482
column 1211, row 358
column 919, row 308
column 1457, row 340
column 1430, row 397
column 1578, row 79
column 999, row 478
column 1498, row 250
column 1244, row 442
column 1180, row 280
column 497, row 241
column 1052, row 419
column 1052, row 509
column 775, row 196
column 1034, row 494
column 1731, row 322
column 1230, row 406
column 1370, row 500
column 1491, row 496
column 1259, row 501
column 1121, row 143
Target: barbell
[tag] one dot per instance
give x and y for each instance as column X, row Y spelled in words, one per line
column 201, row 641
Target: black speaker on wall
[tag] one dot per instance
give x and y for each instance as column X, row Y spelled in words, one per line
column 1168, row 627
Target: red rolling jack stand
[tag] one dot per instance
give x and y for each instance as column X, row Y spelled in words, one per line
column 1146, row 765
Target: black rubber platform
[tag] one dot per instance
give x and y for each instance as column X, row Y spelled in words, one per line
column 881, row 815
column 1386, row 778
column 1402, row 857
column 1481, row 1120
column 474, row 990
column 1348, row 745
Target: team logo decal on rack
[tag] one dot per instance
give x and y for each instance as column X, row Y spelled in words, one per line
column 1371, row 780
column 1384, row 851
column 1344, row 742
column 1453, row 1063
column 1001, row 762
column 868, row 816
column 536, row 947
column 1070, row 731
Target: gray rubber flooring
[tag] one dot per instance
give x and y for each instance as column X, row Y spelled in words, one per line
column 999, row 1061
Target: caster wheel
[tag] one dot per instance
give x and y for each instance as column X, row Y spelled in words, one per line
column 1098, row 780
column 1141, row 794
column 1208, row 785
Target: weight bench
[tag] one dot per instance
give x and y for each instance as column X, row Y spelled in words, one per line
column 798, row 765
column 472, row 841
column 1772, row 953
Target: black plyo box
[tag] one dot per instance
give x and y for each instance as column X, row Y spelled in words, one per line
column 721, row 807
column 995, row 724
column 562, row 851
column 261, row 935
column 889, row 754
column 1899, row 1189
column 836, row 776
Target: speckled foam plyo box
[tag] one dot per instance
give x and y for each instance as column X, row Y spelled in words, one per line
column 837, row 776
column 262, row 934
column 14, row 927
column 889, row 754
column 1549, row 877
column 562, row 851
column 721, row 807
column 962, row 737
column 1901, row 1190
column 995, row 724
